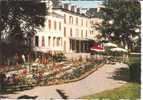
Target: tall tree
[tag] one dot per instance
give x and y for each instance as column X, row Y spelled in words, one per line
column 18, row 21
column 121, row 22
column 93, row 12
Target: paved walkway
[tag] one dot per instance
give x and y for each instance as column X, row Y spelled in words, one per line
column 99, row 81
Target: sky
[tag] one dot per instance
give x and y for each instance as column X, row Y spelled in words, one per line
column 84, row 3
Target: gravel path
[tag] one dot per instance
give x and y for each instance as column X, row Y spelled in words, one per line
column 99, row 81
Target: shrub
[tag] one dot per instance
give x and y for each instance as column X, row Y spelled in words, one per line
column 135, row 68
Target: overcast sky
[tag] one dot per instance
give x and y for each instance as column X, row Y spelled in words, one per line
column 84, row 3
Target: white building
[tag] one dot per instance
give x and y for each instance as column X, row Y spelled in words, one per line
column 65, row 30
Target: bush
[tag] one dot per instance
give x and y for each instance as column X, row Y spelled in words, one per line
column 135, row 68
column 77, row 72
column 135, row 72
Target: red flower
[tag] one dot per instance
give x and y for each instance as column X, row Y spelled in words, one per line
column 24, row 71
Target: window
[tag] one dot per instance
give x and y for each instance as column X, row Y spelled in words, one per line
column 70, row 20
column 86, row 33
column 86, row 24
column 65, row 18
column 36, row 41
column 49, row 24
column 64, row 45
column 64, row 31
column 81, row 22
column 58, row 41
column 60, row 26
column 49, row 39
column 53, row 41
column 81, row 33
column 71, row 32
column 77, row 32
column 43, row 41
column 70, row 44
column 76, row 20
column 61, row 41
column 55, row 25
column 91, row 32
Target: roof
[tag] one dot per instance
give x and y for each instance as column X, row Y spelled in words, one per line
column 71, row 12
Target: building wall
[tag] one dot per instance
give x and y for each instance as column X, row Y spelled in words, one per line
column 75, row 26
column 52, row 34
column 68, row 25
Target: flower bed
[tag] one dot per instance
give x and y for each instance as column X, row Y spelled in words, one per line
column 73, row 72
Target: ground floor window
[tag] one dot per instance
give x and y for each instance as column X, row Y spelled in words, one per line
column 64, row 45
column 43, row 41
column 53, row 41
column 36, row 41
column 58, row 41
column 49, row 39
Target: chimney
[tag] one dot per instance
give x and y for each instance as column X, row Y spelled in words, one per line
column 75, row 8
column 67, row 6
column 78, row 10
column 72, row 8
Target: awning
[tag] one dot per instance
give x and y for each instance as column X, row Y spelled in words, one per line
column 119, row 50
column 109, row 44
column 97, row 48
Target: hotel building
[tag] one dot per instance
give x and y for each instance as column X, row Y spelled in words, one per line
column 66, row 30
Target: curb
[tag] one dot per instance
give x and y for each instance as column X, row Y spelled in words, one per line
column 80, row 78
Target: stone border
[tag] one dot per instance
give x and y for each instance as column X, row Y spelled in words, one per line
column 80, row 78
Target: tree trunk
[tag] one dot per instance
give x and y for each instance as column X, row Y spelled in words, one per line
column 0, row 55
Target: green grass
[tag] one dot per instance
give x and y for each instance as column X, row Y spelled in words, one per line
column 129, row 91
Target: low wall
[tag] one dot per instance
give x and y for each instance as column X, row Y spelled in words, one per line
column 77, row 56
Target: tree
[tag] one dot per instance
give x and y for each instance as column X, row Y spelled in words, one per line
column 93, row 12
column 18, row 21
column 121, row 19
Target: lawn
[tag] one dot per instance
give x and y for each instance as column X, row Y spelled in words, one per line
column 130, row 91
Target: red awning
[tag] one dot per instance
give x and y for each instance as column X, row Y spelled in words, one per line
column 97, row 48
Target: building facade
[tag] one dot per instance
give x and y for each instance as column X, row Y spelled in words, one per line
column 65, row 30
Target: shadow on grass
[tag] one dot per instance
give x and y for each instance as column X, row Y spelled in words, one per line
column 121, row 74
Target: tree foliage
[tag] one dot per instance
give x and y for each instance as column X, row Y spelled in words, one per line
column 93, row 12
column 125, row 17
column 18, row 21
